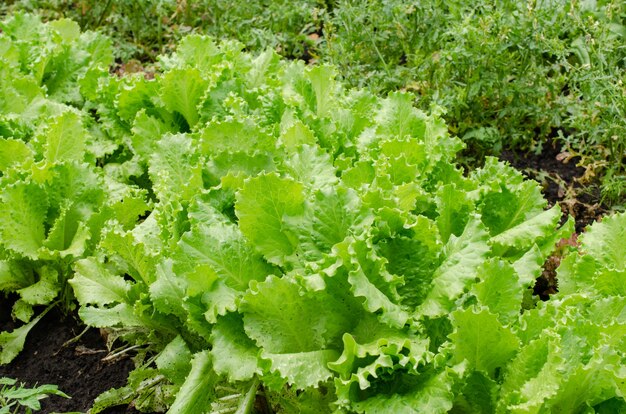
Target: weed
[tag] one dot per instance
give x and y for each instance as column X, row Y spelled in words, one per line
column 13, row 396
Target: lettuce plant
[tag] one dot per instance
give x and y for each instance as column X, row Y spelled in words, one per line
column 316, row 242
column 264, row 233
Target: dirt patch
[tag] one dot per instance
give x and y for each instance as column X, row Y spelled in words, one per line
column 76, row 367
column 561, row 180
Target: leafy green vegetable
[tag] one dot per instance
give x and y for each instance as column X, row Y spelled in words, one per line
column 296, row 240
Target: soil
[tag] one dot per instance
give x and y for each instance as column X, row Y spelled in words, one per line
column 563, row 182
column 76, row 367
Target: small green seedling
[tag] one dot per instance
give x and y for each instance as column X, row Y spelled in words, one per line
column 13, row 396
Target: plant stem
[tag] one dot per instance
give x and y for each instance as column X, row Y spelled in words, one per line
column 247, row 404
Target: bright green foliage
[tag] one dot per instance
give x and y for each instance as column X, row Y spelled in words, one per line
column 481, row 340
column 13, row 396
column 144, row 29
column 262, row 206
column 321, row 243
column 56, row 55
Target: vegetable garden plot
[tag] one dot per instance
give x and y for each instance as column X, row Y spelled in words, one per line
column 250, row 226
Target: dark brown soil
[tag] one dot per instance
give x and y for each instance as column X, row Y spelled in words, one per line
column 76, row 367
column 563, row 182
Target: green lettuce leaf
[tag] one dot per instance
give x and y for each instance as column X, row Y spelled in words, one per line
column 462, row 257
column 64, row 139
column 198, row 390
column 22, row 221
column 262, row 205
column 215, row 248
column 604, row 242
column 181, row 92
column 175, row 361
column 481, row 340
column 94, row 284
column 175, row 168
column 500, row 290
column 12, row 343
column 234, row 353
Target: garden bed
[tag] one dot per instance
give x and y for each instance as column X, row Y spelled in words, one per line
column 253, row 226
